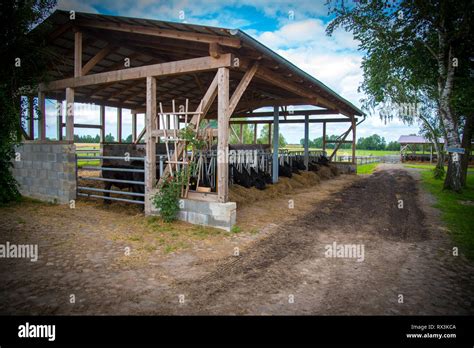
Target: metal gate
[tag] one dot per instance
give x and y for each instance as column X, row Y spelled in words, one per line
column 92, row 192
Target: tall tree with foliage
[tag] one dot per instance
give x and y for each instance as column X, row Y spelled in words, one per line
column 414, row 47
column 263, row 138
column 22, row 62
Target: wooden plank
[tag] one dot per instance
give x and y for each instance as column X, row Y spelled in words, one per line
column 306, row 141
column 259, row 103
column 292, row 113
column 340, row 141
column 102, row 123
column 134, row 126
column 140, row 136
column 324, row 136
column 266, row 121
column 77, row 54
column 82, row 125
column 242, row 86
column 119, row 125
column 42, row 116
column 161, row 69
column 203, row 107
column 200, row 196
column 223, row 134
column 96, row 59
column 150, row 124
column 31, row 118
column 59, row 115
column 354, row 140
column 269, row 134
column 276, row 135
column 173, row 34
column 70, row 114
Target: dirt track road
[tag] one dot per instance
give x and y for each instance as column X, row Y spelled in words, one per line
column 406, row 256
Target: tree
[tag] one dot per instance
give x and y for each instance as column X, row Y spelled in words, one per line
column 23, row 62
column 248, row 134
column 373, row 142
column 416, row 47
column 109, row 138
column 393, row 146
column 263, row 138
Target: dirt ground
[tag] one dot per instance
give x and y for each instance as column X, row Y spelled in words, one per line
column 281, row 267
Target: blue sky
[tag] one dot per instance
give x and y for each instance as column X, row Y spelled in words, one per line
column 294, row 29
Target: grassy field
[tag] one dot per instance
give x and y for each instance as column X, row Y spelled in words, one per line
column 457, row 211
column 366, row 168
column 432, row 166
column 82, row 162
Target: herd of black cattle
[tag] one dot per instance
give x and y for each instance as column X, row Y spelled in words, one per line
column 260, row 179
column 246, row 177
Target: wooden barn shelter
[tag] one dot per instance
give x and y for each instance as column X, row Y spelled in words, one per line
column 225, row 74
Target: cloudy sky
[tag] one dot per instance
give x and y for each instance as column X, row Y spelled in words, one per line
column 293, row 29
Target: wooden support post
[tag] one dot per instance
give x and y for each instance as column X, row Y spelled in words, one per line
column 150, row 125
column 324, row 136
column 70, row 114
column 119, row 125
column 276, row 118
column 134, row 127
column 41, row 116
column 31, row 118
column 77, row 54
column 306, row 141
column 223, row 134
column 241, row 133
column 353, row 140
column 102, row 123
column 59, row 114
column 269, row 134
column 255, row 133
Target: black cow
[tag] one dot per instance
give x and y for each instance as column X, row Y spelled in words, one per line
column 285, row 170
column 241, row 178
column 129, row 176
column 258, row 179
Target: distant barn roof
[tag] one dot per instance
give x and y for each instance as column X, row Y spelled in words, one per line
column 416, row 139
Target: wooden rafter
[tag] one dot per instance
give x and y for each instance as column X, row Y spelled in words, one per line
column 163, row 69
column 173, row 34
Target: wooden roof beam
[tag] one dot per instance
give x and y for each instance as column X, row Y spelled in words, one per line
column 162, row 69
column 97, row 58
column 173, row 34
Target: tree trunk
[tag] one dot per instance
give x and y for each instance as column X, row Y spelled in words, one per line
column 466, row 144
column 445, row 88
column 454, row 173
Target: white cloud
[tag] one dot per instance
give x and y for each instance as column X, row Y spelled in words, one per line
column 333, row 60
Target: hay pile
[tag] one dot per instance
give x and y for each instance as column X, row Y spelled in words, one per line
column 243, row 196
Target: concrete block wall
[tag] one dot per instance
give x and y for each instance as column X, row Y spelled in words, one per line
column 46, row 170
column 213, row 214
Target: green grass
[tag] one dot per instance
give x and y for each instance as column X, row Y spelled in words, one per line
column 431, row 166
column 82, row 163
column 366, row 168
column 457, row 211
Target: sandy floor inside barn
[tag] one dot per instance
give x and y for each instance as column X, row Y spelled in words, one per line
column 116, row 262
